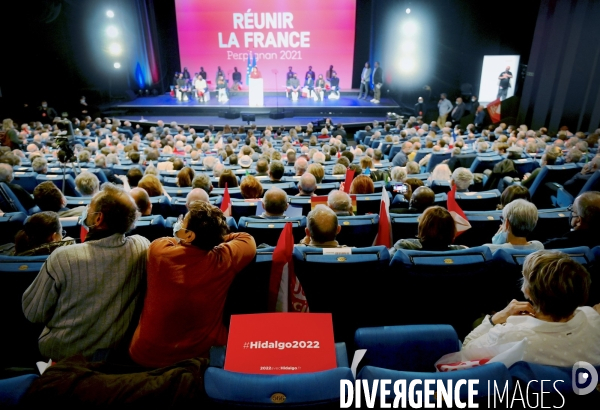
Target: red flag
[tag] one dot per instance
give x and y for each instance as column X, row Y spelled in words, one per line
column 285, row 291
column 460, row 219
column 384, row 231
column 349, row 179
column 226, row 203
column 82, row 233
column 494, row 110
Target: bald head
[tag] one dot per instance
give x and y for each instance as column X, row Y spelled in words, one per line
column 275, row 201
column 422, row 198
column 301, row 165
column 142, row 200
column 587, row 208
column 339, row 201
column 196, row 194
column 307, row 184
column 322, row 224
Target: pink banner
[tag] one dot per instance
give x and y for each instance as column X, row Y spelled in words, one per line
column 316, row 33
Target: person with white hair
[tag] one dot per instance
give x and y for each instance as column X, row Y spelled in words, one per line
column 87, row 184
column 318, row 157
column 340, row 203
column 398, row 174
column 210, row 163
column 339, row 169
column 520, row 218
column 441, row 172
column 39, row 165
column 218, row 170
column 307, row 185
column 462, row 178
column 100, row 162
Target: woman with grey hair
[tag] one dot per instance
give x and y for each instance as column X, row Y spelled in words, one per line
column 338, row 169
column 519, row 220
column 398, row 174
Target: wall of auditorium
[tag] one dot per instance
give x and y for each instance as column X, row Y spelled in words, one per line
column 562, row 86
column 452, row 38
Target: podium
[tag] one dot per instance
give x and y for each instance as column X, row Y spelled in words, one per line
column 256, row 93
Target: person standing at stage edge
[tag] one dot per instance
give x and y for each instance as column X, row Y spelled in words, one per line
column 444, row 107
column 364, row 81
column 504, row 85
column 377, row 83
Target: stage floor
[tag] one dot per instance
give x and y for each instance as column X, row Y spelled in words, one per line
column 348, row 105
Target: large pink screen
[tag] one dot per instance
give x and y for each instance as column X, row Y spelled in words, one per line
column 316, row 33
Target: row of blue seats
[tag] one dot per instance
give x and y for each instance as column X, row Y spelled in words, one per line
column 363, row 289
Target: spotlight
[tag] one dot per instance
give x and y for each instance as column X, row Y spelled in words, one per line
column 407, row 11
column 409, row 28
column 112, row 32
column 408, row 46
column 110, row 14
column 408, row 65
column 117, row 65
column 115, row 49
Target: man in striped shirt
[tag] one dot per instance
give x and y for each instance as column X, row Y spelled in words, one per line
column 89, row 295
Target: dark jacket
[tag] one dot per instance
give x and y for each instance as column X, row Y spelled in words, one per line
column 572, row 239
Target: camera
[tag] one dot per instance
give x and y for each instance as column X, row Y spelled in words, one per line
column 400, row 188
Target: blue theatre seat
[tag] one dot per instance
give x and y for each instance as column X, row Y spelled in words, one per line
column 563, row 198
column 437, row 158
column 161, row 205
column 481, row 163
column 409, row 353
column 249, row 291
column 58, row 181
column 12, row 390
column 558, row 385
column 75, row 201
column 550, row 174
column 551, row 224
column 484, row 226
column 300, row 202
column 16, row 274
column 350, row 287
column 267, row 231
column 450, row 283
column 26, row 180
column 150, row 227
column 305, row 390
column 479, row 201
column 358, row 231
column 10, row 224
column 9, row 201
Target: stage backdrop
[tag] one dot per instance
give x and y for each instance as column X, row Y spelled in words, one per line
column 280, row 34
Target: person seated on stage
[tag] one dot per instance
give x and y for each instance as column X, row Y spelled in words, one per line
column 329, row 73
column 320, row 87
column 182, row 86
column 201, row 88
column 309, row 85
column 222, row 89
column 334, row 83
column 255, row 73
column 290, row 73
column 237, row 80
column 293, row 87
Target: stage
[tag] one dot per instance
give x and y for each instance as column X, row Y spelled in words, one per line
column 347, row 109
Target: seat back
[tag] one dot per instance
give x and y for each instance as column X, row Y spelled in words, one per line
column 242, row 208
column 404, row 226
column 440, row 187
column 57, row 179
column 368, row 203
column 26, row 180
column 267, row 231
column 486, row 375
column 448, row 276
column 481, row 163
column 558, row 174
column 320, row 389
column 249, row 291
column 525, row 165
column 437, row 158
column 99, row 174
column 301, row 202
column 161, row 206
column 233, row 192
column 326, row 188
column 483, row 228
column 479, row 201
column 10, row 224
column 423, row 345
column 347, row 286
column 359, row 231
column 422, row 153
column 466, row 160
column 290, row 188
column 150, row 227
column 17, row 273
column 9, row 201
column 178, row 192
column 551, row 224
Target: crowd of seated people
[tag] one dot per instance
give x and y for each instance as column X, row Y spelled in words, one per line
column 273, row 166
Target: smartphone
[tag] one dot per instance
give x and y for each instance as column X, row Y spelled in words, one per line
column 400, row 188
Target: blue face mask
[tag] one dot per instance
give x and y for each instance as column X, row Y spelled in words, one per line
column 500, row 238
column 84, row 216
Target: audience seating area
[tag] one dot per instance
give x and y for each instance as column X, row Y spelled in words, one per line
column 419, row 303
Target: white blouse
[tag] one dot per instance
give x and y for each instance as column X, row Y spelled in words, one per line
column 549, row 343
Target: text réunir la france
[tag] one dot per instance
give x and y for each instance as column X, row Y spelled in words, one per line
column 265, row 21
